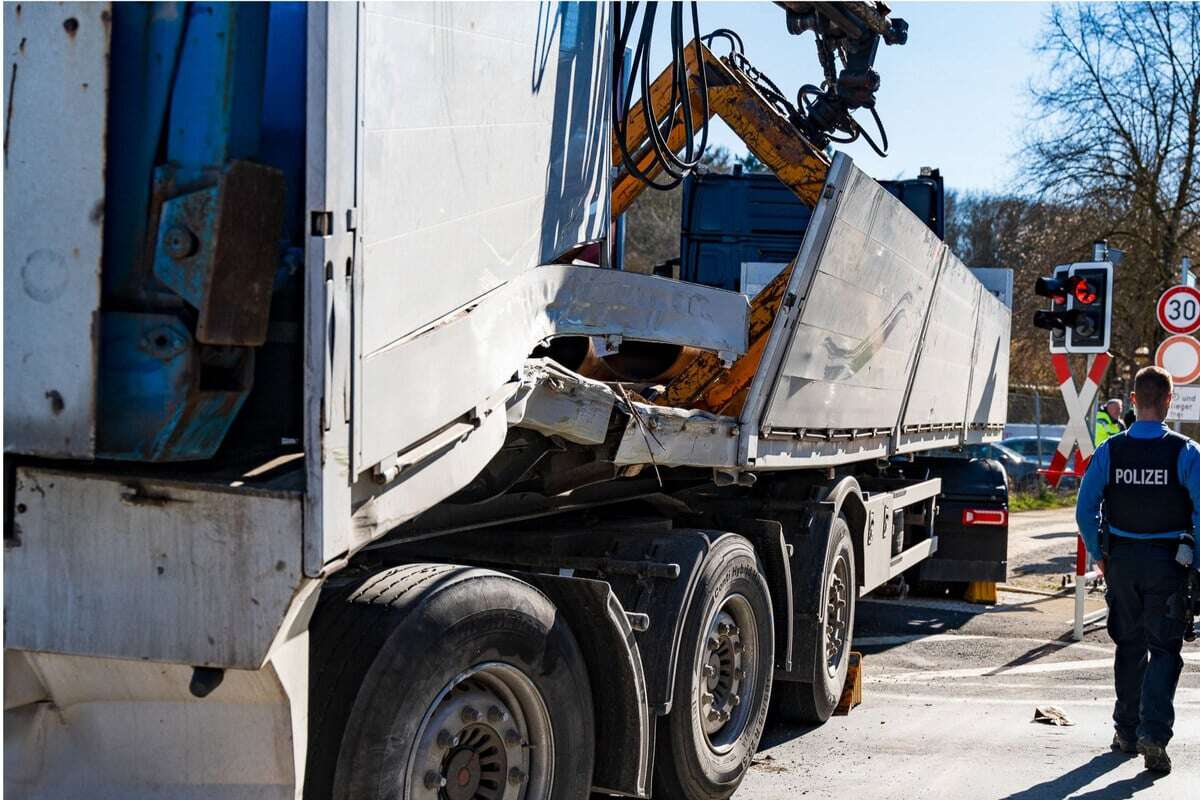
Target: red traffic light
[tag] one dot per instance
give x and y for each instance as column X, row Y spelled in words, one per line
column 1084, row 292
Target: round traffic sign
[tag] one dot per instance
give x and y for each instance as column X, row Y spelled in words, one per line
column 1180, row 356
column 1179, row 309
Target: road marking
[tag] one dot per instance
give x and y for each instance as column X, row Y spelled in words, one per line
column 987, row 672
column 933, row 699
column 880, row 641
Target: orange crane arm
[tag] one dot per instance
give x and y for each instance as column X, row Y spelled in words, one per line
column 802, row 167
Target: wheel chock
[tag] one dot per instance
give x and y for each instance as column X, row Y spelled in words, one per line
column 981, row 592
column 852, row 692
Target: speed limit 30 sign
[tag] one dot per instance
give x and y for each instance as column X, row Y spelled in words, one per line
column 1179, row 310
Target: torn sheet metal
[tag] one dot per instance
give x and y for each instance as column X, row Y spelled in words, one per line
column 556, row 402
column 675, row 437
column 490, row 339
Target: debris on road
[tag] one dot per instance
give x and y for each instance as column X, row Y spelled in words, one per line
column 1049, row 715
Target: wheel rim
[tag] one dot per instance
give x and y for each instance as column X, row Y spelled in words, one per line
column 726, row 670
column 486, row 736
column 837, row 614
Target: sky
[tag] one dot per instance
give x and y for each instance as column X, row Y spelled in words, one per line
column 954, row 97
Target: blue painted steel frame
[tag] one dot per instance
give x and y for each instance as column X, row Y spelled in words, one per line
column 188, row 83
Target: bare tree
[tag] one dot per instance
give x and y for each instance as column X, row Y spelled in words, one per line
column 1118, row 137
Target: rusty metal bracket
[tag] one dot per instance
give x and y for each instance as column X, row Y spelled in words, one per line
column 217, row 248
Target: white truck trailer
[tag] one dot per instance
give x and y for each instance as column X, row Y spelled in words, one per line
column 298, row 504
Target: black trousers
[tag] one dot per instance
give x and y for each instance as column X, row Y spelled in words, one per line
column 1146, row 597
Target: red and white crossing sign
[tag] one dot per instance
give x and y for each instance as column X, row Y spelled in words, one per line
column 1078, row 403
column 1179, row 356
column 1179, row 309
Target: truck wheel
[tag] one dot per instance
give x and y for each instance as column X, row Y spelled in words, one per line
column 434, row 681
column 722, row 680
column 807, row 703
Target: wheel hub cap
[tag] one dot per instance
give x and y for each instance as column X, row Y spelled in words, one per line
column 837, row 615
column 725, row 680
column 487, row 737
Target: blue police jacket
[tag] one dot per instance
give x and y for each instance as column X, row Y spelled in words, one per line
column 1091, row 489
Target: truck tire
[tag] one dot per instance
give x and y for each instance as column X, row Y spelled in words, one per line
column 433, row 681
column 807, row 703
column 722, row 679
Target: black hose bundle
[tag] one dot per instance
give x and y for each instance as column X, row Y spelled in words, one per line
column 669, row 162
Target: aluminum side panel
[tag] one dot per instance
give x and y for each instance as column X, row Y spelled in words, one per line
column 933, row 415
column 147, row 569
column 55, row 96
column 849, row 359
column 486, row 150
column 987, row 403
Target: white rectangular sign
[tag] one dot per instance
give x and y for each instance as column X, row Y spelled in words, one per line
column 1186, row 405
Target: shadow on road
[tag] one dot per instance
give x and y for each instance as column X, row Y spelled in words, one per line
column 1067, row 783
column 1057, row 565
column 779, row 733
column 1056, row 535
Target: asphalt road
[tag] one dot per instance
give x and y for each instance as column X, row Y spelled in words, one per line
column 949, row 696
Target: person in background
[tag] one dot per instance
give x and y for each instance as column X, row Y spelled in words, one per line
column 1128, row 417
column 1108, row 421
column 1142, row 488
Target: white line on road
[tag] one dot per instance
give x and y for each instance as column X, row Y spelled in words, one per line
column 1020, row 669
column 933, row 699
column 882, row 641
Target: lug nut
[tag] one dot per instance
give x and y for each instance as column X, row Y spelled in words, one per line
column 713, row 644
column 714, row 716
column 737, row 645
column 470, row 714
column 709, row 670
column 445, row 740
column 512, row 737
column 706, row 698
column 739, row 674
column 724, row 628
column 495, row 714
column 433, row 780
column 734, row 699
column 516, row 776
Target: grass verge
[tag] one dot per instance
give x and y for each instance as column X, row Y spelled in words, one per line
column 1036, row 501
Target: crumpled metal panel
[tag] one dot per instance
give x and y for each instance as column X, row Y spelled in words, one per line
column 55, row 100
column 557, row 402
column 408, row 393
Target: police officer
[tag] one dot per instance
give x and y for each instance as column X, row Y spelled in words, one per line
column 1108, row 421
column 1143, row 488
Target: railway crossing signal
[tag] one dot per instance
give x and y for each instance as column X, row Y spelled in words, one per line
column 1080, row 314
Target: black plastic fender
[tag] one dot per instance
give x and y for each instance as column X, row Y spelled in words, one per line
column 618, row 682
column 808, row 534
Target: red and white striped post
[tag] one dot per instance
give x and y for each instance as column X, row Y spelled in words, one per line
column 1077, row 439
